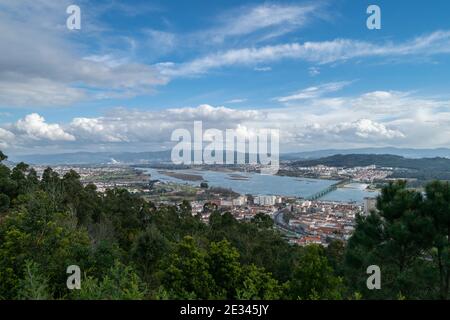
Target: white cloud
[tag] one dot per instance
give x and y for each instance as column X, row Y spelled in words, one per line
column 274, row 19
column 125, row 126
column 262, row 69
column 33, row 126
column 232, row 101
column 318, row 52
column 161, row 41
column 210, row 113
column 366, row 128
column 38, row 92
column 40, row 65
column 6, row 137
column 98, row 129
column 377, row 118
column 315, row 92
column 314, row 71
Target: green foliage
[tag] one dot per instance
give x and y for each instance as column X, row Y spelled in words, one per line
column 256, row 284
column 128, row 248
column 34, row 232
column 186, row 273
column 34, row 285
column 148, row 250
column 437, row 213
column 119, row 283
column 405, row 239
column 313, row 276
column 4, row 202
column 2, row 156
column 335, row 253
column 126, row 212
column 224, row 267
column 263, row 221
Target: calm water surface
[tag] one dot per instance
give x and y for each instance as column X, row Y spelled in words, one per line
column 258, row 184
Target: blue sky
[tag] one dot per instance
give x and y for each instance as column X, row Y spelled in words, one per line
column 137, row 70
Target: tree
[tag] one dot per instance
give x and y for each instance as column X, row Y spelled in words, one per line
column 256, row 284
column 396, row 238
column 8, row 187
column 88, row 208
column 119, row 283
column 437, row 210
column 335, row 252
column 24, row 178
column 148, row 250
column 313, row 277
column 73, row 194
column 124, row 210
column 34, row 285
column 263, row 220
column 224, row 266
column 33, row 231
column 4, row 202
column 186, row 272
column 52, row 185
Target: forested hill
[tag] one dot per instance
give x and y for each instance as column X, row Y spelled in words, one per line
column 128, row 248
column 380, row 160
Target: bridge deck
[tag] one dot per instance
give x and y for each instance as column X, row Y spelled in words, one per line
column 327, row 190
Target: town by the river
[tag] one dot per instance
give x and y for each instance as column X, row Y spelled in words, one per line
column 258, row 184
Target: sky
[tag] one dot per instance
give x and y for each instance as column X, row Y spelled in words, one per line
column 138, row 70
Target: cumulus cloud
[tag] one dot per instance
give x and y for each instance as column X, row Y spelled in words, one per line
column 366, row 128
column 6, row 137
column 295, row 126
column 124, row 125
column 377, row 118
column 33, row 126
column 215, row 114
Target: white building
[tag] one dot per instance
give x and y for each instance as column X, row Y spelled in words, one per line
column 240, row 201
column 265, row 200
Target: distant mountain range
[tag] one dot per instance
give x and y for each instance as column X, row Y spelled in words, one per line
column 380, row 160
column 404, row 152
column 94, row 158
column 164, row 156
column 423, row 169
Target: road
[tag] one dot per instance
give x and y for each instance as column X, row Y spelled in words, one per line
column 280, row 224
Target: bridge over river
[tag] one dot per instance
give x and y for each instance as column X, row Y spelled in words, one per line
column 327, row 190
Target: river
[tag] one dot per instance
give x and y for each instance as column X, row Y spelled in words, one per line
column 257, row 184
